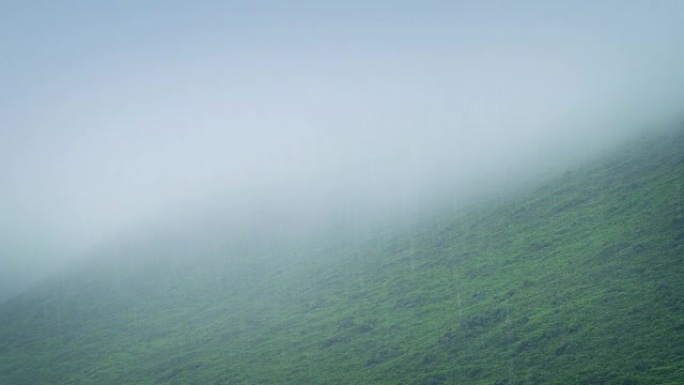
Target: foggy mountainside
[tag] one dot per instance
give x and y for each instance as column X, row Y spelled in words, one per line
column 349, row 192
column 577, row 280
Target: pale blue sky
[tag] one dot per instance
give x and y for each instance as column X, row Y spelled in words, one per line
column 113, row 112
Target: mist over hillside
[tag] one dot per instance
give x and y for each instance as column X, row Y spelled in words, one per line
column 116, row 117
column 539, row 286
column 268, row 192
column 306, row 206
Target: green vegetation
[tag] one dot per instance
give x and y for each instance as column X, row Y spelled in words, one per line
column 580, row 281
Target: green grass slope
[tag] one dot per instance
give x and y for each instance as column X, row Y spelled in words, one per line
column 580, row 281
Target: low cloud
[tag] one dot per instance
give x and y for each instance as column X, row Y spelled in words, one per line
column 148, row 111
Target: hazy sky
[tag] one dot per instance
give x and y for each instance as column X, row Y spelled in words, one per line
column 113, row 112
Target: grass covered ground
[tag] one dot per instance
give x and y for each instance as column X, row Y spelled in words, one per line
column 579, row 281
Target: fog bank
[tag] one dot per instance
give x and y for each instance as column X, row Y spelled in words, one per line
column 116, row 114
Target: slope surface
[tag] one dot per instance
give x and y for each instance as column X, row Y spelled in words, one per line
column 580, row 281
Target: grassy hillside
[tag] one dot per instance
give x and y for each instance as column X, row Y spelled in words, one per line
column 580, row 281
